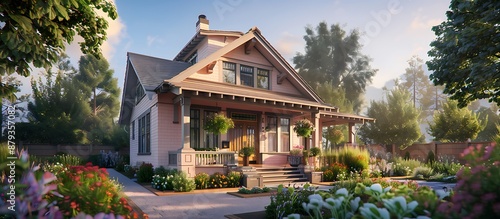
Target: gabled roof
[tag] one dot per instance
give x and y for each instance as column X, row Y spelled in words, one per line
column 151, row 71
column 198, row 37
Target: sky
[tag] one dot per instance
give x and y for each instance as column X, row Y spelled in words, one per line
column 393, row 30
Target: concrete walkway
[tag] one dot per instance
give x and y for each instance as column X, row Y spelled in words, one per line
column 193, row 206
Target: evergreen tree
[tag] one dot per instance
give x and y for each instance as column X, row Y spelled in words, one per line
column 490, row 117
column 100, row 89
column 454, row 124
column 334, row 56
column 397, row 121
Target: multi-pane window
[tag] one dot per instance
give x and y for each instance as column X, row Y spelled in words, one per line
column 139, row 93
column 285, row 134
column 145, row 134
column 246, row 75
column 272, row 138
column 278, row 134
column 229, row 72
column 263, row 78
column 195, row 128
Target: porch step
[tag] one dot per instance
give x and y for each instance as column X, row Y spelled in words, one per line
column 274, row 176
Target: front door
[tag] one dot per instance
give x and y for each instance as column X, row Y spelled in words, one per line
column 243, row 135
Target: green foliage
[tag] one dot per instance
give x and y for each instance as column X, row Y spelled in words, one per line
column 355, row 159
column 464, row 55
column 162, row 171
column 303, row 127
column 287, row 201
column 464, row 122
column 315, row 151
column 489, row 117
column 67, row 160
column 161, row 182
column 334, row 134
column 418, row 84
column 233, row 179
column 201, row 180
column 35, row 33
column 182, row 183
column 246, row 151
column 218, row 180
column 145, row 173
column 422, row 172
column 335, row 57
column 404, row 167
column 397, row 120
column 254, row 190
column 129, row 171
column 334, row 172
column 430, row 158
column 218, row 124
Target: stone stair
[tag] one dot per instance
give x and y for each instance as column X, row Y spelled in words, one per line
column 288, row 176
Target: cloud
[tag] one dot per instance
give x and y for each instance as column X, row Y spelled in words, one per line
column 288, row 44
column 420, row 22
column 154, row 39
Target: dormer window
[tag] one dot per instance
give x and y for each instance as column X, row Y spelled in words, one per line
column 193, row 59
column 139, row 93
column 246, row 75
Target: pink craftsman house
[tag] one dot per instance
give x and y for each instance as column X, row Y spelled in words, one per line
column 241, row 75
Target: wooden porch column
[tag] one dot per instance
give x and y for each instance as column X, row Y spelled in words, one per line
column 317, row 136
column 352, row 135
column 186, row 155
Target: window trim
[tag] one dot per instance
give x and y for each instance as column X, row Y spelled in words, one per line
column 144, row 122
column 139, row 95
column 237, row 71
column 252, row 74
column 267, row 76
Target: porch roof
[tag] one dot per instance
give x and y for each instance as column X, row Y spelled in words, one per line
column 242, row 93
column 335, row 118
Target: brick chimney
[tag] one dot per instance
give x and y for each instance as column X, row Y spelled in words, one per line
column 202, row 23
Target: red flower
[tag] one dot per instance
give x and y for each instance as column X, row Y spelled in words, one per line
column 73, row 205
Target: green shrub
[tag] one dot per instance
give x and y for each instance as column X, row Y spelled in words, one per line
column 162, row 171
column 407, row 155
column 201, row 180
column 402, row 167
column 129, row 171
column 288, row 201
column 233, row 179
column 430, row 157
column 446, row 168
column 182, row 183
column 67, row 160
column 422, row 172
column 145, row 173
column 162, row 182
column 334, row 172
column 356, row 159
column 218, row 180
column 314, row 151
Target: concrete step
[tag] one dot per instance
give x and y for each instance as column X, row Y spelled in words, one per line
column 284, row 176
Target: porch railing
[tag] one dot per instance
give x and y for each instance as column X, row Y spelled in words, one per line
column 207, row 158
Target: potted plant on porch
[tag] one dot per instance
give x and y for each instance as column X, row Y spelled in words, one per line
column 295, row 157
column 246, row 152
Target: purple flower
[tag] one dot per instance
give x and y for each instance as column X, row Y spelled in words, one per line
column 476, row 186
column 488, row 197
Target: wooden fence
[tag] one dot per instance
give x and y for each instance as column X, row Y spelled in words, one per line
column 82, row 151
column 420, row 151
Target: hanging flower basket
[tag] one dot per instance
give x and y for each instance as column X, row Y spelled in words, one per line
column 218, row 124
column 303, row 128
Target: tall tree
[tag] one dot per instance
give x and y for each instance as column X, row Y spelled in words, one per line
column 465, row 54
column 36, row 32
column 490, row 117
column 332, row 55
column 415, row 80
column 96, row 82
column 454, row 124
column 58, row 110
column 397, row 121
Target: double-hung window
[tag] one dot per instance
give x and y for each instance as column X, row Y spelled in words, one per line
column 263, row 78
column 246, row 75
column 145, row 134
column 229, row 72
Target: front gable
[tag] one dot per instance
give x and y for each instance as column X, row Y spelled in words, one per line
column 250, row 51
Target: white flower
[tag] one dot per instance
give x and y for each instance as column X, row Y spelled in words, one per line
column 376, row 188
column 442, row 194
column 292, row 216
column 315, row 196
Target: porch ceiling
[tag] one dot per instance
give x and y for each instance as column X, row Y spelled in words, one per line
column 336, row 118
